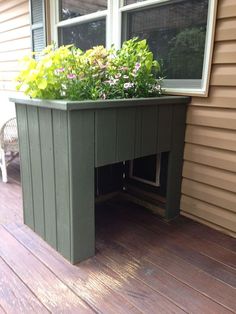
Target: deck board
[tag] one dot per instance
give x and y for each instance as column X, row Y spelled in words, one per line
column 142, row 264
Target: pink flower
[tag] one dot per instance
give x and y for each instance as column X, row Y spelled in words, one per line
column 61, row 70
column 71, row 76
column 136, row 68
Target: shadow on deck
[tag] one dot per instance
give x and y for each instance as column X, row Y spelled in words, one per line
column 142, row 264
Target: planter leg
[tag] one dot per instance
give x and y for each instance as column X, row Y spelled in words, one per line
column 175, row 163
column 81, row 142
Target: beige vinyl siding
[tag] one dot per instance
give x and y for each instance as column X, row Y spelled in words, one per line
column 14, row 40
column 209, row 171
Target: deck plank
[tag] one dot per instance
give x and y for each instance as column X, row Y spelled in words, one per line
column 182, row 247
column 195, row 229
column 52, row 292
column 154, row 249
column 184, row 237
column 142, row 264
column 14, row 294
column 190, row 300
column 86, row 280
column 129, row 289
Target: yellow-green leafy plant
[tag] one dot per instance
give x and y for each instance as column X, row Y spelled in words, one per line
column 98, row 73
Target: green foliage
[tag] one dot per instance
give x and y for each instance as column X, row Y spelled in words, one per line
column 98, row 73
column 187, row 52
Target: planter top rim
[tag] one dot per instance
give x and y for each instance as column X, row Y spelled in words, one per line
column 68, row 105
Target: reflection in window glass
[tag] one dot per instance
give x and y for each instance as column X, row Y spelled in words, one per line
column 73, row 8
column 127, row 2
column 84, row 36
column 175, row 32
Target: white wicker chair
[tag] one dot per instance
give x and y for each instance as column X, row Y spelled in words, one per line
column 9, row 148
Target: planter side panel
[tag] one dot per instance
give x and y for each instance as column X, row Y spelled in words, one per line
column 62, row 181
column 48, row 172
column 44, row 154
column 36, row 170
column 25, row 160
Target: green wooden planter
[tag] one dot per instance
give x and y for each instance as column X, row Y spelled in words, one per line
column 61, row 144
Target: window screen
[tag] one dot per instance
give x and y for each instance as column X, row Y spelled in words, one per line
column 85, row 35
column 176, row 32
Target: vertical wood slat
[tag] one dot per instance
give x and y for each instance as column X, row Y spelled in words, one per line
column 36, row 170
column 125, row 134
column 82, row 164
column 61, row 160
column 148, row 127
column 105, row 133
column 46, row 136
column 149, row 130
column 23, row 133
column 164, row 123
column 138, row 132
column 175, row 162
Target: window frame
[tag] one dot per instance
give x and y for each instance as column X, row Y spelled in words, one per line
column 113, row 17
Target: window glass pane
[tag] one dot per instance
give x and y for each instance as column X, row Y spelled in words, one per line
column 127, row 2
column 85, row 35
column 145, row 168
column 73, row 8
column 175, row 32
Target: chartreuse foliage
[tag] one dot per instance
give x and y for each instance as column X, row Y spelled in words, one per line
column 98, row 73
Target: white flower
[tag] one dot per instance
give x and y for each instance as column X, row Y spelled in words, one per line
column 128, row 85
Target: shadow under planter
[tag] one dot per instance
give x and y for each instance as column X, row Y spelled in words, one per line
column 61, row 144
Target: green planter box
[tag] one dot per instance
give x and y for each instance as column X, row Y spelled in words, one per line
column 61, row 144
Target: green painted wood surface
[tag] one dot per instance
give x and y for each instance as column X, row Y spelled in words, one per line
column 26, row 178
column 68, row 105
column 62, row 182
column 125, row 140
column 48, row 171
column 59, row 152
column 105, row 136
column 175, row 163
column 149, row 130
column 36, row 170
column 164, row 123
column 82, row 171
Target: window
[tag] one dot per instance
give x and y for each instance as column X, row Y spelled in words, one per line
column 146, row 169
column 72, row 8
column 179, row 32
column 82, row 23
column 84, row 35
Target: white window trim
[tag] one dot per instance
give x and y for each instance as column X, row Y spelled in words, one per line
column 158, row 172
column 113, row 16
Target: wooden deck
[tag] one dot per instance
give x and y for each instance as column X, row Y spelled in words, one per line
column 142, row 265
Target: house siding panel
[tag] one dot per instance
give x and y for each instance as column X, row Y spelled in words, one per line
column 14, row 40
column 209, row 172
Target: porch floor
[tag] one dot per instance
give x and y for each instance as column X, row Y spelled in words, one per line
column 142, row 264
